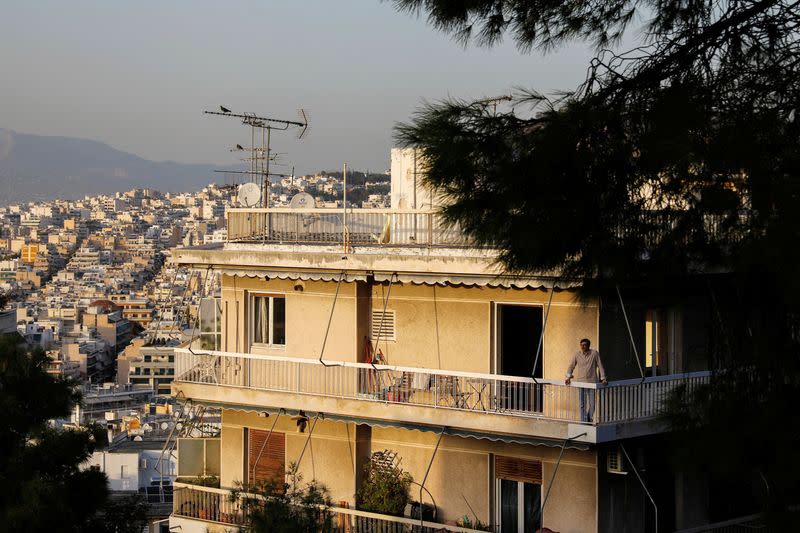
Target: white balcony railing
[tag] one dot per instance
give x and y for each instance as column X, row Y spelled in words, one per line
column 216, row 505
column 332, row 226
column 619, row 401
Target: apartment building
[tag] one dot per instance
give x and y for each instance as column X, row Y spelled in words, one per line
column 346, row 334
column 111, row 326
column 148, row 364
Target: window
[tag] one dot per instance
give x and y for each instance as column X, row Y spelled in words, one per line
column 210, row 324
column 265, row 456
column 268, row 320
column 519, row 494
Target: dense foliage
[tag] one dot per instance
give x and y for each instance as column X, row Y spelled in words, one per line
column 385, row 488
column 42, row 487
column 677, row 159
column 295, row 507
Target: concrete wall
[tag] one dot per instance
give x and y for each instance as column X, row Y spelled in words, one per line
column 461, row 469
column 437, row 327
column 307, row 313
column 122, row 469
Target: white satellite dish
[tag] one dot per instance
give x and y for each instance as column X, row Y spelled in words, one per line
column 249, row 194
column 164, row 426
column 302, row 200
column 147, row 428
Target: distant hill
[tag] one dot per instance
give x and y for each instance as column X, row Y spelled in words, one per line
column 35, row 167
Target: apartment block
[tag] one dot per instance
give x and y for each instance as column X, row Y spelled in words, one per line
column 351, row 335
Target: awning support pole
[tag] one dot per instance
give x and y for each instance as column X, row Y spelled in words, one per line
column 541, row 336
column 633, row 466
column 555, row 471
column 266, row 441
column 383, row 317
column 310, row 432
column 330, row 319
column 630, row 333
column 424, row 479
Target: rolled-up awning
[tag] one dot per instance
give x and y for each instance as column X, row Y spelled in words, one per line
column 463, row 280
column 382, row 423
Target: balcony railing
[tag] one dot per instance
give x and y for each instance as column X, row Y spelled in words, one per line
column 216, row 505
column 332, row 226
column 619, row 401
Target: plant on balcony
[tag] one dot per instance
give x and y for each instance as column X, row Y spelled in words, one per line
column 203, row 481
column 385, row 488
column 467, row 523
column 294, row 507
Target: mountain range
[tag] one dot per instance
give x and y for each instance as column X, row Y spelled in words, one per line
column 36, row 167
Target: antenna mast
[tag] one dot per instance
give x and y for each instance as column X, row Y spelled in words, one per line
column 261, row 156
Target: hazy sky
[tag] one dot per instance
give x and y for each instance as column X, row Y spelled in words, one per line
column 137, row 75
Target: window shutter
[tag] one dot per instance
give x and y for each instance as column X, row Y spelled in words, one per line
column 515, row 469
column 383, row 325
column 271, row 463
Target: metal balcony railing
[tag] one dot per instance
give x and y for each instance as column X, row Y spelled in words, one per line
column 216, row 505
column 331, row 226
column 586, row 403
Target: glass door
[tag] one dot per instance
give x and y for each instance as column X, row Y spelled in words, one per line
column 519, row 506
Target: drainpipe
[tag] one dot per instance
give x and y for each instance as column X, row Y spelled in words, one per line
column 555, row 471
column 424, row 479
column 633, row 466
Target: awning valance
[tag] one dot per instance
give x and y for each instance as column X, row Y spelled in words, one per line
column 512, row 282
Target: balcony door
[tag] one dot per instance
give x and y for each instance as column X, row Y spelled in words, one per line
column 518, row 330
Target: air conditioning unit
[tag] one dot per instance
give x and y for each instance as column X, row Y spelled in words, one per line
column 615, row 461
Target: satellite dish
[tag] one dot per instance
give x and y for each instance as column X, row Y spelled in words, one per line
column 164, row 426
column 249, row 194
column 147, row 428
column 302, row 200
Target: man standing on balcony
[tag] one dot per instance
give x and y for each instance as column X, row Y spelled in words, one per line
column 585, row 364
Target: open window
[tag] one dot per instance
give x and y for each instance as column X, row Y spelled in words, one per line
column 267, row 320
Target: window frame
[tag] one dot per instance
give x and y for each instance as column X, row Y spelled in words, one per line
column 251, row 318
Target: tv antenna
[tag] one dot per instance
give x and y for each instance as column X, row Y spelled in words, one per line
column 494, row 100
column 262, row 155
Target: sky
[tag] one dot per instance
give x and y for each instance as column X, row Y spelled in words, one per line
column 138, row 75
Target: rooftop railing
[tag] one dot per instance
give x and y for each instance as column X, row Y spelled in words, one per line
column 335, row 226
column 427, row 228
column 583, row 403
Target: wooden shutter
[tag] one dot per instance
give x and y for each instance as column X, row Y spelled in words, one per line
column 271, row 461
column 514, row 469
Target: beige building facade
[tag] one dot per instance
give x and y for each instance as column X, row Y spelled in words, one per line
column 331, row 352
